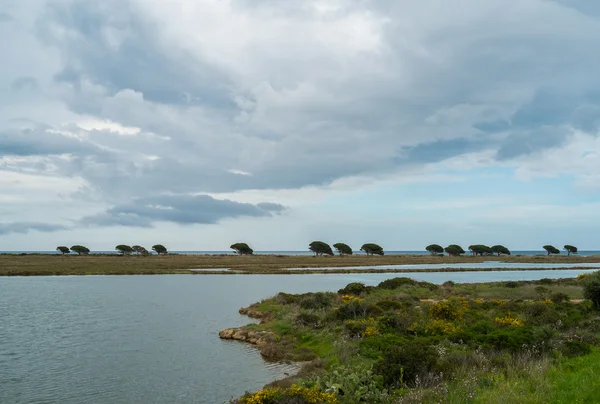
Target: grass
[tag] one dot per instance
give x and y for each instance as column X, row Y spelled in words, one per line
column 40, row 264
column 576, row 380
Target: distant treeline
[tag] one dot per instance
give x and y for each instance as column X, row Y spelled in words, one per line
column 322, row 248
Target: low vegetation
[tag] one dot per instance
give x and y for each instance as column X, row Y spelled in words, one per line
column 406, row 341
column 142, row 262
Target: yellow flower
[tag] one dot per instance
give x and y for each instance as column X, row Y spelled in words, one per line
column 509, row 321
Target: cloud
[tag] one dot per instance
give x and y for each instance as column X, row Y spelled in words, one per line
column 137, row 99
column 26, row 227
column 182, row 209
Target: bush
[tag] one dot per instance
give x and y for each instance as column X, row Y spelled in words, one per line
column 559, row 298
column 308, row 320
column 396, row 283
column 403, row 365
column 286, row 298
column 545, row 281
column 541, row 290
column 512, row 284
column 389, row 305
column 316, row 301
column 354, row 288
column 591, row 288
column 355, row 308
column 451, row 309
column 358, row 385
column 575, row 348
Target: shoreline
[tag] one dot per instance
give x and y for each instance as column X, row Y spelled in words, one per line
column 57, row 265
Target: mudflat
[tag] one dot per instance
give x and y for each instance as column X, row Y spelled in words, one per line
column 40, row 264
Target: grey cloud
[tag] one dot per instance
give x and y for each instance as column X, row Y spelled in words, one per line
column 5, row 17
column 26, row 227
column 531, row 142
column 112, row 47
column 182, row 209
column 24, row 83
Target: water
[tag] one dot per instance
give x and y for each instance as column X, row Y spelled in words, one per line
column 473, row 265
column 152, row 339
column 305, row 252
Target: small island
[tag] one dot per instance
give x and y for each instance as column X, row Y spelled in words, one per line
column 405, row 341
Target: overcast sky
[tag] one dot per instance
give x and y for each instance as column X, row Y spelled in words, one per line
column 199, row 123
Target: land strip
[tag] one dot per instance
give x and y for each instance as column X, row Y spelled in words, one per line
column 40, row 264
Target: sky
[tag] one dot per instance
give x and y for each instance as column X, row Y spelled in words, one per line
column 200, row 123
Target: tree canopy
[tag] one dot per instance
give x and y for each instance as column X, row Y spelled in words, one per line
column 124, row 249
column 551, row 249
column 500, row 249
column 454, row 249
column 81, row 250
column 320, row 248
column 343, row 249
column 63, row 249
column 480, row 249
column 591, row 289
column 242, row 248
column 571, row 249
column 372, row 249
column 159, row 248
column 140, row 250
column 435, row 249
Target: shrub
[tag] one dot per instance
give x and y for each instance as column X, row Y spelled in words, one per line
column 572, row 348
column 591, row 289
column 545, row 281
column 286, row 298
column 355, row 308
column 509, row 321
column 293, row 395
column 403, row 365
column 559, row 297
column 396, row 283
column 359, row 385
column 441, row 327
column 354, row 288
column 511, row 284
column 389, row 305
column 308, row 320
column 316, row 301
column 451, row 309
column 542, row 290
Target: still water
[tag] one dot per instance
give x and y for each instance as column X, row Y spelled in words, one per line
column 151, row 339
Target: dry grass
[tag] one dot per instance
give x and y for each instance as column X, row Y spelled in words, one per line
column 128, row 265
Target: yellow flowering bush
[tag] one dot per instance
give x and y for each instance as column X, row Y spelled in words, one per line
column 582, row 276
column 362, row 327
column 349, row 298
column 509, row 321
column 478, row 301
column 498, row 302
column 441, row 327
column 547, row 301
column 310, row 395
column 451, row 309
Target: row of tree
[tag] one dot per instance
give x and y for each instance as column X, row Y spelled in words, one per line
column 481, row 249
column 122, row 248
column 322, row 248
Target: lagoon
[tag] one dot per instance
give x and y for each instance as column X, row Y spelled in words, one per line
column 153, row 339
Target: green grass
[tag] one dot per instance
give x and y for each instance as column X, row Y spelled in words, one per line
column 576, row 380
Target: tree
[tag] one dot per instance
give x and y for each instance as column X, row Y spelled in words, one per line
column 81, row 250
column 242, row 249
column 124, row 249
column 343, row 249
column 372, row 249
column 435, row 249
column 591, row 289
column 454, row 250
column 160, row 249
column 500, row 249
column 140, row 250
column 63, row 250
column 320, row 248
column 571, row 249
column 551, row 249
column 480, row 249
